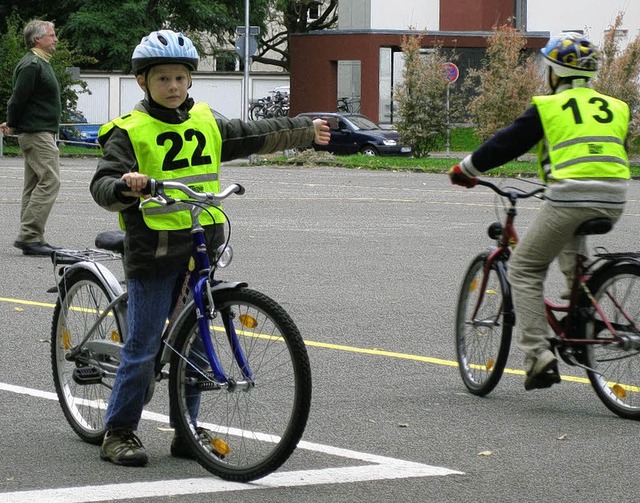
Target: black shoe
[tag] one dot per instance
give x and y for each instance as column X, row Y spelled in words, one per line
column 542, row 372
column 180, row 447
column 35, row 248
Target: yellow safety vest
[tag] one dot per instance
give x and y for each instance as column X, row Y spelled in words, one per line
column 585, row 132
column 188, row 152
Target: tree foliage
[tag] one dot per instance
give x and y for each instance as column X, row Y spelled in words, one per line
column 505, row 84
column 421, row 97
column 619, row 75
column 108, row 31
column 12, row 48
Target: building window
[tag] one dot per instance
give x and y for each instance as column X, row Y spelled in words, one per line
column 314, row 10
column 521, row 15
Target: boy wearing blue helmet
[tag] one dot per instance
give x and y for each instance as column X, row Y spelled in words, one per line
column 157, row 250
column 583, row 160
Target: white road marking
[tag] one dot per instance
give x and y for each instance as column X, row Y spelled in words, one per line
column 377, row 468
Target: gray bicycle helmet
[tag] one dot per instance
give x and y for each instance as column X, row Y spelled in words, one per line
column 161, row 48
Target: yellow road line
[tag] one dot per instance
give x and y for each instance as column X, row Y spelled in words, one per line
column 27, row 302
column 350, row 349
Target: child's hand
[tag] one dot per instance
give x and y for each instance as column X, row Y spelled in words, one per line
column 6, row 130
column 136, row 182
column 322, row 132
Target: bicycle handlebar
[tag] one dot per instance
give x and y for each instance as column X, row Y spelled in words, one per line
column 512, row 195
column 156, row 189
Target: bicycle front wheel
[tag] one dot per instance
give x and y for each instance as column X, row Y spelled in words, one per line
column 257, row 421
column 483, row 340
column 615, row 374
column 84, row 366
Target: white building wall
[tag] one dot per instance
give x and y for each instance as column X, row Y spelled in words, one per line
column 591, row 16
column 405, row 14
column 113, row 95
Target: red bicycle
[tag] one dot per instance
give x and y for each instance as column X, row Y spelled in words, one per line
column 597, row 329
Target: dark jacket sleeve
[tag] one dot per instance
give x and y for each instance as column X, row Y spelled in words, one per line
column 117, row 159
column 241, row 139
column 509, row 143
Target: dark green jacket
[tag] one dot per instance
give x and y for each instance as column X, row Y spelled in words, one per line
column 35, row 104
column 147, row 250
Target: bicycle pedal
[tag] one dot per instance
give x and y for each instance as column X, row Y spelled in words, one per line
column 571, row 359
column 87, row 375
column 210, row 384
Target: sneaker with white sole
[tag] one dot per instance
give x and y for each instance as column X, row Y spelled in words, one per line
column 123, row 447
column 541, row 371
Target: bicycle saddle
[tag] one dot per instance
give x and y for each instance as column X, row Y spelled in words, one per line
column 600, row 225
column 111, row 240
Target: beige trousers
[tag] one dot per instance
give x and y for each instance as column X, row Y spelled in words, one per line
column 41, row 184
column 551, row 235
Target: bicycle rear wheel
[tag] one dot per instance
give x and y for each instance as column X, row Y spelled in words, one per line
column 257, row 425
column 483, row 341
column 84, row 371
column 616, row 367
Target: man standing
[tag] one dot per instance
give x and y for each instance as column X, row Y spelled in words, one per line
column 33, row 114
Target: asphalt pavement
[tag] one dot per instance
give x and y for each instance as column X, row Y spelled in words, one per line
column 368, row 264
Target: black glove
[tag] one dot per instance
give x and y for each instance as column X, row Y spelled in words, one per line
column 457, row 177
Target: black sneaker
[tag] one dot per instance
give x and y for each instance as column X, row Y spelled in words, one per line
column 122, row 447
column 180, row 447
column 35, row 248
column 542, row 371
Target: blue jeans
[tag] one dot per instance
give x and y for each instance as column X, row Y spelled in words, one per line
column 150, row 303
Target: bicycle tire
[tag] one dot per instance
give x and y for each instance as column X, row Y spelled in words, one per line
column 482, row 346
column 256, row 112
column 262, row 425
column 84, row 384
column 615, row 374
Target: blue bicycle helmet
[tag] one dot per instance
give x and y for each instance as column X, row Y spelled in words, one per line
column 571, row 55
column 161, row 48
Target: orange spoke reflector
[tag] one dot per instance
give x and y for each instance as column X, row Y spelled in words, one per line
column 115, row 336
column 66, row 340
column 490, row 363
column 248, row 321
column 619, row 391
column 473, row 285
column 220, row 446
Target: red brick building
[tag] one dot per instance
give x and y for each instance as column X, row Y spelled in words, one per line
column 464, row 27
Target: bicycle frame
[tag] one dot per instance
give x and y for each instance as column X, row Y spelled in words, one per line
column 200, row 284
column 560, row 326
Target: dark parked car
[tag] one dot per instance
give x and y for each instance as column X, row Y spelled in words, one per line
column 75, row 130
column 353, row 133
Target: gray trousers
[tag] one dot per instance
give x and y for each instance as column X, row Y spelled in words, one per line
column 41, row 184
column 551, row 235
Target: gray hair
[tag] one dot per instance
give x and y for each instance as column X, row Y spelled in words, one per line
column 35, row 28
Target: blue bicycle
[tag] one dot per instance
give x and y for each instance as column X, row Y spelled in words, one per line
column 234, row 347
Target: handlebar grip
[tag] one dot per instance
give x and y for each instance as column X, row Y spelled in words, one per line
column 239, row 190
column 121, row 186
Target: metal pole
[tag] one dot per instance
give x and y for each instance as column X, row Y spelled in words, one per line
column 448, row 124
column 247, row 63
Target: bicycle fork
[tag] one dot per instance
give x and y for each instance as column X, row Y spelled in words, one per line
column 202, row 290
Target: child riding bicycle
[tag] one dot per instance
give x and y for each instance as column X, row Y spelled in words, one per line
column 167, row 137
column 583, row 160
